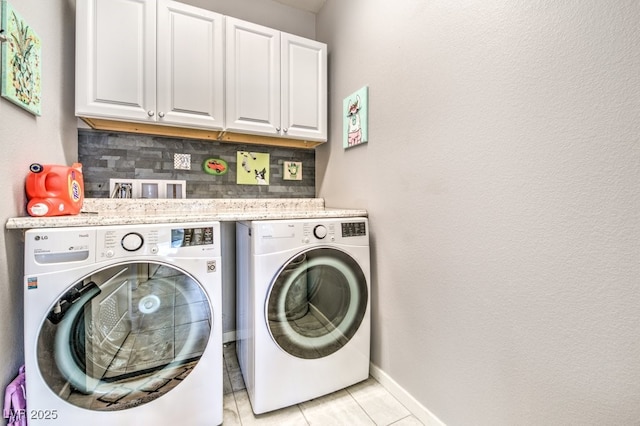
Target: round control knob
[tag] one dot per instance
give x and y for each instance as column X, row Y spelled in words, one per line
column 320, row 231
column 132, row 241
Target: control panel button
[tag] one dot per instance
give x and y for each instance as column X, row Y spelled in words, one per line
column 320, row 231
column 132, row 241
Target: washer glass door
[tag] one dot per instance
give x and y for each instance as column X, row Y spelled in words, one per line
column 316, row 303
column 124, row 336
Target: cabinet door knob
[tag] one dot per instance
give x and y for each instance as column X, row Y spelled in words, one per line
column 161, row 114
column 151, row 113
column 278, row 129
column 285, row 130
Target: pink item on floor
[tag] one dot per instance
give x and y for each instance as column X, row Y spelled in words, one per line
column 15, row 403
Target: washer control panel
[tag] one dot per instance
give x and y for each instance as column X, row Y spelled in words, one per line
column 116, row 242
column 132, row 241
column 176, row 240
column 46, row 249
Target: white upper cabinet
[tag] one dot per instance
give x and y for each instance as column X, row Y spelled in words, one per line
column 147, row 61
column 276, row 83
column 166, row 62
column 253, row 78
column 190, row 86
column 115, row 58
column 303, row 88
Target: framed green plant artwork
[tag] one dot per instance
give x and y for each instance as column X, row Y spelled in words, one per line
column 21, row 61
column 292, row 170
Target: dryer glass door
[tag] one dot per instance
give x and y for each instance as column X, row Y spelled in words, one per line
column 124, row 336
column 316, row 303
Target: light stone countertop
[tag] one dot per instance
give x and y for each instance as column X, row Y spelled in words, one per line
column 109, row 211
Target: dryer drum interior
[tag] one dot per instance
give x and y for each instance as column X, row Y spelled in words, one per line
column 124, row 336
column 316, row 303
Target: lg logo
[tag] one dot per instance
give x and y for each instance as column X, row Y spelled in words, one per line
column 41, row 237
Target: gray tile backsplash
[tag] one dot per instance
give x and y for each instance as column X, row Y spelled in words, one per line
column 106, row 155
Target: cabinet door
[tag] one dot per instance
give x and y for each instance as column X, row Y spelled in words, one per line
column 115, row 58
column 304, row 88
column 252, row 78
column 190, row 66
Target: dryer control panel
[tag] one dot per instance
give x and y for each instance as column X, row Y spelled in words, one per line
column 322, row 231
column 354, row 229
column 275, row 235
column 327, row 231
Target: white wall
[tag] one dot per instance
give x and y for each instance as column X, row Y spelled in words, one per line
column 25, row 139
column 264, row 12
column 502, row 177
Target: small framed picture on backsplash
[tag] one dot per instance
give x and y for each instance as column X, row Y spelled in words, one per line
column 253, row 168
column 292, row 170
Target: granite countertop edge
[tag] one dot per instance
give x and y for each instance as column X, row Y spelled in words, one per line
column 103, row 212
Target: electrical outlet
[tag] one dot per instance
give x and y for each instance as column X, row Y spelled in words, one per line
column 147, row 188
column 120, row 189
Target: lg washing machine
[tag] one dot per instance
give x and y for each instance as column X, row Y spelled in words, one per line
column 123, row 325
column 303, row 320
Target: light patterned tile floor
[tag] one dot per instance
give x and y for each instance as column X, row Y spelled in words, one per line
column 366, row 403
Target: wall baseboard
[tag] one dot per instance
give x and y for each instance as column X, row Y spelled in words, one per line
column 405, row 398
column 228, row 336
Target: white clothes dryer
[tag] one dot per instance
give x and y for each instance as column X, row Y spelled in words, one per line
column 303, row 319
column 123, row 325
